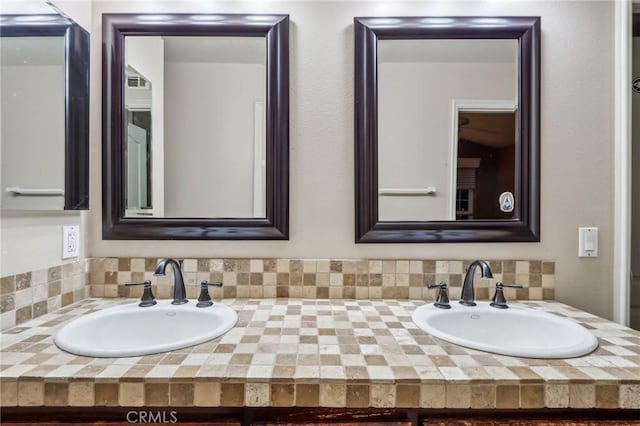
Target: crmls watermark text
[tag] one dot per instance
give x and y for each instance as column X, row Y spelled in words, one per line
column 152, row 417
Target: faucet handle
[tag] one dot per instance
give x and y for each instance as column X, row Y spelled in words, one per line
column 148, row 299
column 499, row 300
column 204, row 300
column 442, row 298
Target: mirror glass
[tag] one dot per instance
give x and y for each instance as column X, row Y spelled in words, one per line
column 447, row 129
column 195, row 117
column 32, row 91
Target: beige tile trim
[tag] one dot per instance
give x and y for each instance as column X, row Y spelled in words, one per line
column 34, row 392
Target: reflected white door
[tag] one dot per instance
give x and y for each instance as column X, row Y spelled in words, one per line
column 136, row 167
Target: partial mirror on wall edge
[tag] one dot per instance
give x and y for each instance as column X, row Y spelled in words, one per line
column 45, row 113
column 196, row 126
column 447, row 129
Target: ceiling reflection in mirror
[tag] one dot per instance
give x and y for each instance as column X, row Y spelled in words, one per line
column 195, row 135
column 447, row 129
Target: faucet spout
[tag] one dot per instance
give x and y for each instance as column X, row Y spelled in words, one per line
column 179, row 292
column 468, row 291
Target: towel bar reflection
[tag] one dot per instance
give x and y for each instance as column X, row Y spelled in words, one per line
column 408, row 191
column 35, row 191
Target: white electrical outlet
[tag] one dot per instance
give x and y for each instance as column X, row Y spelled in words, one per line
column 70, row 241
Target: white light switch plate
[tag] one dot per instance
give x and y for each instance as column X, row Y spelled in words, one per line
column 588, row 242
column 70, row 241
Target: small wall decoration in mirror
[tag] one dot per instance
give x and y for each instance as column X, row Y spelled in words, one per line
column 447, row 120
column 199, row 146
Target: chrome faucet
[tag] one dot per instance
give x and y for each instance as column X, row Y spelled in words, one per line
column 179, row 292
column 468, row 291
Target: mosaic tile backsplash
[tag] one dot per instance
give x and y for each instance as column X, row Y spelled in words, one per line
column 35, row 293
column 322, row 278
column 32, row 294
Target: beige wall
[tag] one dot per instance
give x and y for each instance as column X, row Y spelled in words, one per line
column 577, row 139
column 209, row 137
column 78, row 10
column 31, row 241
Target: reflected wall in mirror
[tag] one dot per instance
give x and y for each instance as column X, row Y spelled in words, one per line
column 447, row 129
column 44, row 90
column 428, row 145
column 195, row 111
column 195, row 142
column 32, row 88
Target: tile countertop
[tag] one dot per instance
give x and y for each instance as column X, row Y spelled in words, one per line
column 319, row 353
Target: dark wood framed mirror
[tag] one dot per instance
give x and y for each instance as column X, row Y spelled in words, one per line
column 34, row 46
column 202, row 48
column 380, row 128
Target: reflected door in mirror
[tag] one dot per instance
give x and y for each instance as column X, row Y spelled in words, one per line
column 195, row 111
column 446, row 128
column 485, row 165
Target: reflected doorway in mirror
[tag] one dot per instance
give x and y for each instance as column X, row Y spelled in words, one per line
column 138, row 108
column 483, row 157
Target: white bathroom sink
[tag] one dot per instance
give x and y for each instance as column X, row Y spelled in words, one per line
column 130, row 330
column 516, row 331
